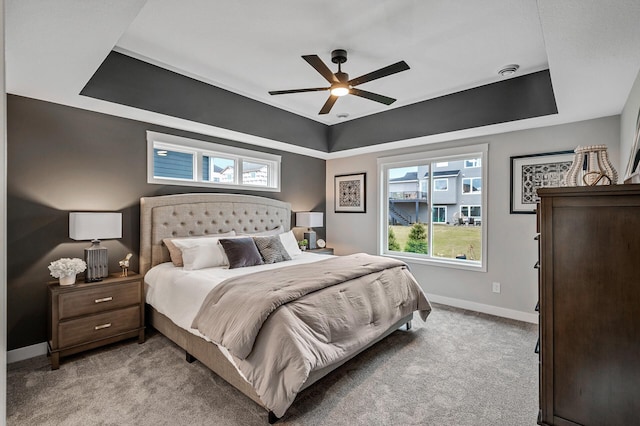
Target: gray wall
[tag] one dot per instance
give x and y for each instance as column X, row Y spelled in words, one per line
column 512, row 251
column 63, row 159
column 129, row 81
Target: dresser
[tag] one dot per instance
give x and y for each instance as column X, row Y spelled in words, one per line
column 89, row 315
column 589, row 305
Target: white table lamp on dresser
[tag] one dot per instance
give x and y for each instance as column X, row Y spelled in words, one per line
column 310, row 220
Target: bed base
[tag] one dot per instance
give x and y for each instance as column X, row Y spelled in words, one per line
column 197, row 348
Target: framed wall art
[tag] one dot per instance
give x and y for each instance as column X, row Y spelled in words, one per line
column 632, row 174
column 530, row 172
column 350, row 193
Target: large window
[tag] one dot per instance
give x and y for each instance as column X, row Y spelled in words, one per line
column 417, row 230
column 181, row 161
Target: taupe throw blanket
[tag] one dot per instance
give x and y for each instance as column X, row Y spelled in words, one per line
column 282, row 324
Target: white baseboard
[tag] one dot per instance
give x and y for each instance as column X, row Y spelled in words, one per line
column 531, row 317
column 27, row 352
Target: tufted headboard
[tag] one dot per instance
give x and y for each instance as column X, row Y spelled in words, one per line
column 186, row 215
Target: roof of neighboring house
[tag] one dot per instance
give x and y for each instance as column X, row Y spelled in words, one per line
column 406, row 177
column 253, row 167
column 409, row 176
column 444, row 173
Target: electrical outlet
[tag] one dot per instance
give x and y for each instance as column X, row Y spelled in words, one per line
column 496, row 287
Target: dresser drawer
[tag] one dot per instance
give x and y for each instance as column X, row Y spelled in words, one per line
column 99, row 326
column 98, row 299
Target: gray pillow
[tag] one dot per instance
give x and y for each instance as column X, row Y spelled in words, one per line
column 241, row 252
column 271, row 249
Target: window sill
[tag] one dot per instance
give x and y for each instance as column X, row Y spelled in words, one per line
column 445, row 263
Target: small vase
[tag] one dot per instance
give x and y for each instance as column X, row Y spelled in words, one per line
column 68, row 279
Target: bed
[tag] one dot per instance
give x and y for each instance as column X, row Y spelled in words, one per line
column 198, row 215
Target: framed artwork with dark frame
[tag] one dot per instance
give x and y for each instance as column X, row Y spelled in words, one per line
column 530, row 172
column 350, row 193
column 632, row 174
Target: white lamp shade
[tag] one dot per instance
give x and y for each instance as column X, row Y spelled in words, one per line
column 95, row 226
column 309, row 219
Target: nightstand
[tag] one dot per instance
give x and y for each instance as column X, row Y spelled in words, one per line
column 325, row 250
column 85, row 316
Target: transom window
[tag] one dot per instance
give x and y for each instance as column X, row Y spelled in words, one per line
column 181, row 161
column 433, row 226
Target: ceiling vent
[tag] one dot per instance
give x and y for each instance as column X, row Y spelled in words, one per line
column 508, row 70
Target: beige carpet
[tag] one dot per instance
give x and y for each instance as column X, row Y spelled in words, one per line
column 459, row 368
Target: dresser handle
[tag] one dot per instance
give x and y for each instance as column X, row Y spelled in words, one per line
column 100, row 327
column 104, row 299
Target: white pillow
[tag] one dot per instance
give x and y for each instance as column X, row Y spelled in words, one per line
column 275, row 231
column 200, row 253
column 176, row 253
column 290, row 243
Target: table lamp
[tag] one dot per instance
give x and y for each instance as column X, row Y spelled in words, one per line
column 95, row 226
column 309, row 220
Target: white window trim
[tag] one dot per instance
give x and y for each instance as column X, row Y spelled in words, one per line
column 440, row 190
column 472, row 192
column 405, row 160
column 468, row 206
column 201, row 148
column 440, row 207
column 472, row 167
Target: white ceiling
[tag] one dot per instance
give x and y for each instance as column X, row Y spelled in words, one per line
column 250, row 47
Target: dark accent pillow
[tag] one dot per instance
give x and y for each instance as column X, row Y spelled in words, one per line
column 271, row 249
column 241, row 252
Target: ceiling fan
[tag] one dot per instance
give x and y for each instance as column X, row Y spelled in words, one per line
column 340, row 83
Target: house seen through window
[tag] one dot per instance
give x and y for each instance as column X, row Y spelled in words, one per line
column 444, row 225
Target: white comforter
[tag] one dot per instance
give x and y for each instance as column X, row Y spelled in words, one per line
column 178, row 294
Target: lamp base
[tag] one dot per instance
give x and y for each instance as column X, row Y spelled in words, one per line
column 97, row 258
column 311, row 238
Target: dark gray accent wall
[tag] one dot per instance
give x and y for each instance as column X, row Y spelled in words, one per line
column 63, row 159
column 514, row 99
column 128, row 81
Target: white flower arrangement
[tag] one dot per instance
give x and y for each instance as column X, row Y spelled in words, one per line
column 67, row 266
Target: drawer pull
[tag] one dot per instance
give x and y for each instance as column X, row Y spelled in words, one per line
column 537, row 265
column 100, row 327
column 104, row 299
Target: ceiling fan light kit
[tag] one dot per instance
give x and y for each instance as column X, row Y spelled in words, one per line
column 340, row 85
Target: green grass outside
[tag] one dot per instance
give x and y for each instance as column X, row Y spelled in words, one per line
column 448, row 241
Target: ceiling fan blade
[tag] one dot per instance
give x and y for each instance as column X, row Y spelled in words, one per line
column 372, row 96
column 328, row 105
column 382, row 72
column 284, row 92
column 316, row 62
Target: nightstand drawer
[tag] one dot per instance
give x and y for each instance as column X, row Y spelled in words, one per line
column 100, row 326
column 98, row 299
